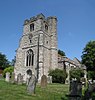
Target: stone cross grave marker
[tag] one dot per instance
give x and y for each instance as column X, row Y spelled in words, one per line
column 31, row 85
column 7, row 77
column 44, row 81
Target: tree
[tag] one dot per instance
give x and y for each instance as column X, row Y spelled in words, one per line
column 3, row 61
column 58, row 75
column 91, row 75
column 62, row 53
column 13, row 61
column 76, row 73
column 9, row 69
column 88, row 57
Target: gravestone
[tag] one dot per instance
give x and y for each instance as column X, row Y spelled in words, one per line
column 31, row 85
column 43, row 81
column 7, row 77
column 13, row 77
column 19, row 79
column 29, row 74
column 49, row 79
column 75, row 90
column 27, row 79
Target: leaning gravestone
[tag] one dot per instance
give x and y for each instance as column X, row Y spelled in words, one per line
column 7, row 77
column 13, row 77
column 44, row 81
column 31, row 85
column 19, row 79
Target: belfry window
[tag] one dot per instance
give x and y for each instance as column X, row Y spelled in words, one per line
column 29, row 58
column 46, row 27
column 32, row 27
column 30, row 38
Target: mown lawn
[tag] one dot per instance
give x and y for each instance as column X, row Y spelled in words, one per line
column 10, row 91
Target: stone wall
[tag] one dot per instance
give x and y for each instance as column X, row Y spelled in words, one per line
column 46, row 30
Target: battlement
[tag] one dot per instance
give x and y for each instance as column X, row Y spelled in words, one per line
column 39, row 16
column 52, row 17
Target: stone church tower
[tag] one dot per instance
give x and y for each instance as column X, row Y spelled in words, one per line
column 37, row 51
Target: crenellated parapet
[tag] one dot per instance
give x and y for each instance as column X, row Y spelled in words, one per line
column 34, row 18
column 39, row 16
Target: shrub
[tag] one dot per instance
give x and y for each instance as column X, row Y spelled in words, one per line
column 76, row 73
column 58, row 76
column 9, row 69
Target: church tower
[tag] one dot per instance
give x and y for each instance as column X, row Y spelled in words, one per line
column 37, row 51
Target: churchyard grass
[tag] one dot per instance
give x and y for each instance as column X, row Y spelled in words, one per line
column 10, row 91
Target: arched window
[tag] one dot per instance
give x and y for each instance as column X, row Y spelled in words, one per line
column 46, row 27
column 29, row 58
column 29, row 72
column 32, row 27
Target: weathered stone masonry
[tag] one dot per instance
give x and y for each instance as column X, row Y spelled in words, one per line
column 44, row 30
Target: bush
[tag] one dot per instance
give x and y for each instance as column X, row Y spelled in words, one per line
column 76, row 73
column 9, row 69
column 58, row 76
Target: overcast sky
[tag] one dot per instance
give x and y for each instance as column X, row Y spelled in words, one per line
column 76, row 23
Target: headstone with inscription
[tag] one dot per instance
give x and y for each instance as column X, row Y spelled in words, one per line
column 44, row 81
column 7, row 77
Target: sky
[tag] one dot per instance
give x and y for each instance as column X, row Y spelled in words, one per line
column 75, row 27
